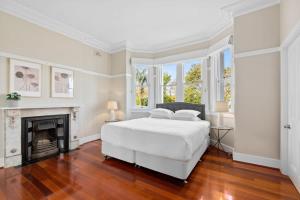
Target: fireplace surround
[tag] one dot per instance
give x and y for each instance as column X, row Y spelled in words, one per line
column 44, row 136
column 11, row 130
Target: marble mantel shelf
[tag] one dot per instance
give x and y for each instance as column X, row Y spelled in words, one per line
column 38, row 107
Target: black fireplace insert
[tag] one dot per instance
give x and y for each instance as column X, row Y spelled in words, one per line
column 44, row 136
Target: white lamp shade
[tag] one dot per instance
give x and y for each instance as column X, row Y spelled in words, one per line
column 221, row 106
column 112, row 105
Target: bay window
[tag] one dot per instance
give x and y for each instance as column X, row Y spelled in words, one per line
column 203, row 80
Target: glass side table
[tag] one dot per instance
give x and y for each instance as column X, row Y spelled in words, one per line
column 219, row 133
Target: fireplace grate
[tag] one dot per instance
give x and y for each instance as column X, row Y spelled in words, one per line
column 44, row 136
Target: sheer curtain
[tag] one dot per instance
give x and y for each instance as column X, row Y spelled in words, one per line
column 215, row 80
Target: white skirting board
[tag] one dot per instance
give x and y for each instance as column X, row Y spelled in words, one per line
column 1, row 162
column 258, row 160
column 89, row 138
column 226, row 147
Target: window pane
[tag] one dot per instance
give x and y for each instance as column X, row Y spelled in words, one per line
column 141, row 96
column 169, row 94
column 227, row 76
column 141, row 75
column 192, row 94
column 141, row 90
column 169, row 74
column 192, row 72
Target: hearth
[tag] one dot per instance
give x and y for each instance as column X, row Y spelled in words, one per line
column 44, row 136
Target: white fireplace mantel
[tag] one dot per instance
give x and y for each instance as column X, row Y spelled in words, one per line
column 38, row 107
column 10, row 129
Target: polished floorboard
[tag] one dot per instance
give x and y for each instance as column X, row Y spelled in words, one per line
column 85, row 174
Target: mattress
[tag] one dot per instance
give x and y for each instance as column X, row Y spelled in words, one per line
column 174, row 139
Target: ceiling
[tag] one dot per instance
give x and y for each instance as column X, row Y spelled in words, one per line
column 141, row 24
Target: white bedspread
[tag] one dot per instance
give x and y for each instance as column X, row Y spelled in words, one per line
column 175, row 139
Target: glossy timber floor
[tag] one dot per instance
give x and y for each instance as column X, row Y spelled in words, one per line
column 84, row 174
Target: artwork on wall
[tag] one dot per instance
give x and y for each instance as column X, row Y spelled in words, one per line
column 62, row 82
column 25, row 78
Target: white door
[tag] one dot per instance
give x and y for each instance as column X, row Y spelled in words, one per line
column 294, row 112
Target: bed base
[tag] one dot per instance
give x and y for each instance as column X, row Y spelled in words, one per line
column 171, row 167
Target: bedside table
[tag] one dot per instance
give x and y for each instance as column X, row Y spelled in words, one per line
column 222, row 131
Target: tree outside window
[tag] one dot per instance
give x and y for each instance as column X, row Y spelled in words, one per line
column 169, row 83
column 193, row 81
column 141, row 89
column 227, row 76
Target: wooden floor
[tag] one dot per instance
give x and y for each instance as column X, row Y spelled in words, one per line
column 84, row 174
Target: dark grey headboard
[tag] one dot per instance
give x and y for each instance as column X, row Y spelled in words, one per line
column 184, row 106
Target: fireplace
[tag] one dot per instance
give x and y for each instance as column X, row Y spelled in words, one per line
column 44, row 136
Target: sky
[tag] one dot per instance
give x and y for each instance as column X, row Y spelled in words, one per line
column 171, row 68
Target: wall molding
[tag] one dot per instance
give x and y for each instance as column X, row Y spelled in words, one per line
column 258, row 160
column 227, row 148
column 257, row 52
column 40, row 19
column 90, row 138
column 47, row 63
column 248, row 6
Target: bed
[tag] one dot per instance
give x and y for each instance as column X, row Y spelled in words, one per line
column 172, row 147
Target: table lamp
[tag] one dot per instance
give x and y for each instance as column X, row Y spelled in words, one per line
column 112, row 106
column 221, row 107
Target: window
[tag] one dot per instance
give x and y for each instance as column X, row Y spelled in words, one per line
column 182, row 82
column 192, row 81
column 141, row 86
column 227, row 75
column 168, row 83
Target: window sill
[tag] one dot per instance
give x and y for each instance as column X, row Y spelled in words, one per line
column 138, row 110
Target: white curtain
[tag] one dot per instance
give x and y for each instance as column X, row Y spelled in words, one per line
column 205, row 84
column 215, row 63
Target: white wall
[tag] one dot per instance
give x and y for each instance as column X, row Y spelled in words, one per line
column 289, row 16
column 19, row 37
column 257, row 92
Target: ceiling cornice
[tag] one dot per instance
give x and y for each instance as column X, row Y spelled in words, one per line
column 243, row 7
column 39, row 19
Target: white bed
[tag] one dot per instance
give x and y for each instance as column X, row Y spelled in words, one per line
column 172, row 147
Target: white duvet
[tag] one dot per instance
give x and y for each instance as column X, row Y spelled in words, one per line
column 175, row 139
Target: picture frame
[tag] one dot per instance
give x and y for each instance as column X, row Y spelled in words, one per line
column 25, row 78
column 62, row 83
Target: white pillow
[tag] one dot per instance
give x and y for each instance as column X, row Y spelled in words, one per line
column 162, row 113
column 188, row 115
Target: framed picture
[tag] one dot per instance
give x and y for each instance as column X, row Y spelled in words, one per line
column 25, row 78
column 62, row 82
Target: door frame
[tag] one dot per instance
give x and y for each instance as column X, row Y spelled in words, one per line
column 293, row 35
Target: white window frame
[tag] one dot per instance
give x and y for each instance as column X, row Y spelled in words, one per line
column 222, row 81
column 150, row 85
column 180, row 83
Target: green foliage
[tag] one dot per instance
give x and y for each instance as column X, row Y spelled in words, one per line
column 192, row 92
column 168, row 98
column 227, row 89
column 13, row 96
column 142, row 89
column 166, row 79
column 194, row 74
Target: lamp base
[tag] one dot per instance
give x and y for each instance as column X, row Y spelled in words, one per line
column 112, row 115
